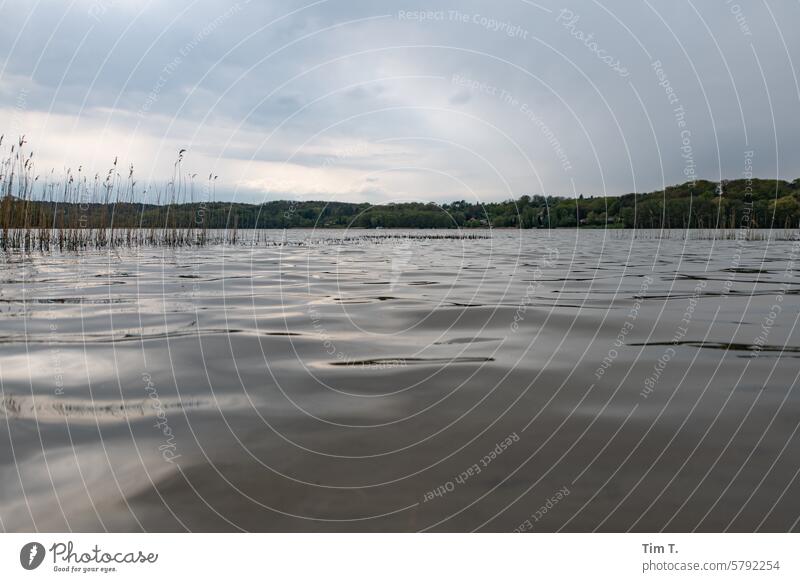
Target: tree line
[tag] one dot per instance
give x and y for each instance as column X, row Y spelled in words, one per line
column 702, row 204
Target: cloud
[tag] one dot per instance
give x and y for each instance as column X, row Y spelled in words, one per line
column 467, row 99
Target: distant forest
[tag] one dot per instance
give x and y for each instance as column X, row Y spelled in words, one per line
column 703, row 204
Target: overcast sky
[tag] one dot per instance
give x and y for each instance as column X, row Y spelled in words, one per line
column 390, row 100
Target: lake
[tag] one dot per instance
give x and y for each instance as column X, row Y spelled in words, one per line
column 566, row 380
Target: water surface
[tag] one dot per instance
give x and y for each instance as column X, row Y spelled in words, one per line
column 331, row 381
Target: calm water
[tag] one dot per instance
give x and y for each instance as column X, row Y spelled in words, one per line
column 536, row 381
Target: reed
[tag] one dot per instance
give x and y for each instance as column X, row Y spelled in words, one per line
column 74, row 212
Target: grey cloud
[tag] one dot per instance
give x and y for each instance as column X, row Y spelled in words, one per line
column 540, row 108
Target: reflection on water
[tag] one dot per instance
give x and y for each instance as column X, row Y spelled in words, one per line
column 393, row 382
